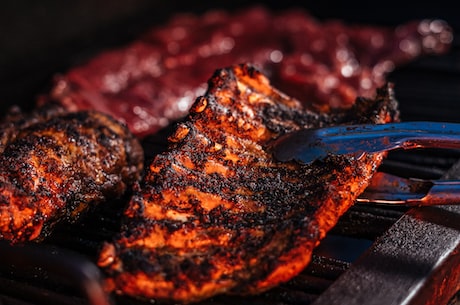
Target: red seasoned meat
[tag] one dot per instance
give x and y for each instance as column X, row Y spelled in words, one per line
column 155, row 79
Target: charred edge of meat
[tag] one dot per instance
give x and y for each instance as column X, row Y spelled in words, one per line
column 16, row 120
column 57, row 165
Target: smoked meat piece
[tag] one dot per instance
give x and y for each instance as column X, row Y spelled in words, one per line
column 217, row 214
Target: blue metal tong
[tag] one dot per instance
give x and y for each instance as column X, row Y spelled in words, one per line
column 309, row 145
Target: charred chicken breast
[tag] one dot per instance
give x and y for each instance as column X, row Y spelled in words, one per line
column 217, row 214
column 55, row 165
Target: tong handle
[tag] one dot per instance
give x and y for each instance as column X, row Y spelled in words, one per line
column 308, row 145
column 389, row 189
column 442, row 192
column 406, row 135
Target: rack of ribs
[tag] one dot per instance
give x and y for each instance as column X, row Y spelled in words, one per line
column 217, row 214
column 154, row 80
column 56, row 165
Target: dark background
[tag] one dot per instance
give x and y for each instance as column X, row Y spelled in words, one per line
column 41, row 38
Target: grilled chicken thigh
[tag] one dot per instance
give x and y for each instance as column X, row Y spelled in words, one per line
column 55, row 165
column 217, row 214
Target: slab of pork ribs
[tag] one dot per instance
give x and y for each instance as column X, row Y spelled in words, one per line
column 217, row 214
column 155, row 79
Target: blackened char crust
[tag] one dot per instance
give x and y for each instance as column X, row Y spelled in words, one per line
column 56, row 165
column 217, row 214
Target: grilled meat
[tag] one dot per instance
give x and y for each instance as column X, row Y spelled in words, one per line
column 217, row 214
column 55, row 165
column 155, row 79
column 15, row 120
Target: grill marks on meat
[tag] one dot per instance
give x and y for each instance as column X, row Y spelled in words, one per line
column 217, row 214
column 15, row 120
column 155, row 79
column 55, row 165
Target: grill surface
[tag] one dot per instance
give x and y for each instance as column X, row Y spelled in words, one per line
column 371, row 257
